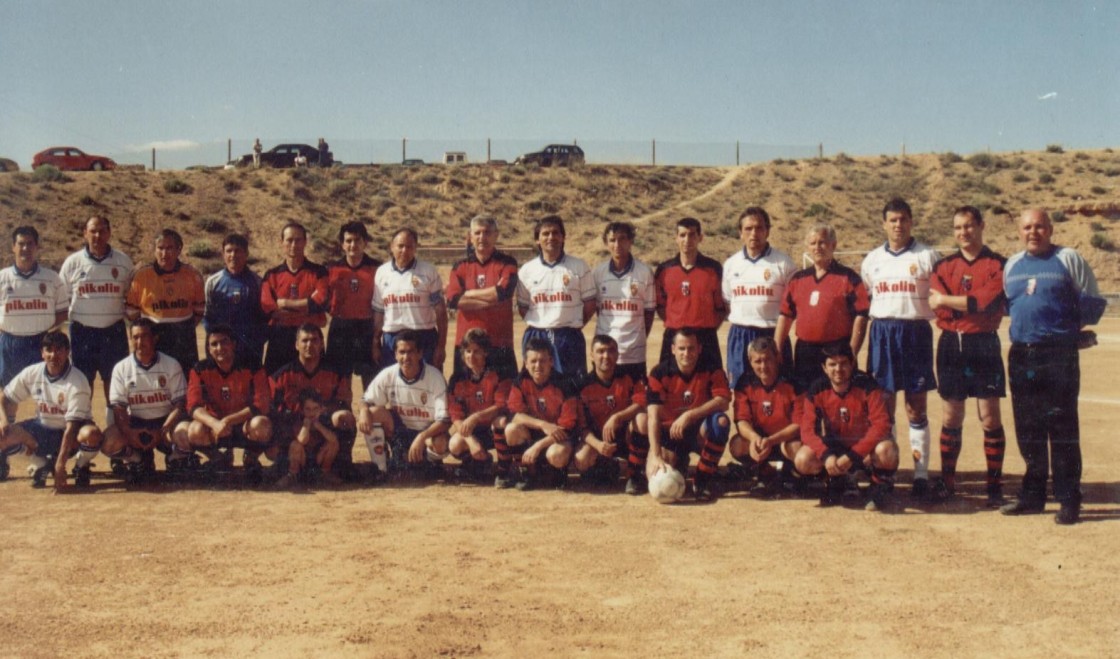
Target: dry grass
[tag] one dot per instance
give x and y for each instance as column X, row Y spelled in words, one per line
column 439, row 201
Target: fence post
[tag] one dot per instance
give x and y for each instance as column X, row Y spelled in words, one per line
column 487, row 149
column 820, row 150
column 736, row 153
column 653, row 145
column 153, row 159
column 229, row 149
column 404, row 153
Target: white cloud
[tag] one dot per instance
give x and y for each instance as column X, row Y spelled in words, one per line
column 166, row 145
column 1047, row 97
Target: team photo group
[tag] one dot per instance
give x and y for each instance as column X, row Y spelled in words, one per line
column 784, row 398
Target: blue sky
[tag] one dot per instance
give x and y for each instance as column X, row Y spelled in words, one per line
column 860, row 76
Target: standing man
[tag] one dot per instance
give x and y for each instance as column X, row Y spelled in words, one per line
column 169, row 293
column 829, row 303
column 233, row 299
column 98, row 277
column 63, row 424
column 292, row 294
column 324, row 153
column 1052, row 295
column 257, row 148
column 33, row 300
column 627, row 300
column 480, row 288
column 754, row 284
column 408, row 295
column 966, row 293
column 689, row 294
column 900, row 352
column 556, row 297
column 350, row 284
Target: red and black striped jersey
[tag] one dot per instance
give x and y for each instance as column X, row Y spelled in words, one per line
column 599, row 400
column 981, row 281
column 767, row 409
column 292, row 378
column 351, row 288
column 222, row 394
column 678, row 393
column 852, row 422
column 470, row 274
column 468, row 395
column 690, row 297
column 309, row 283
column 825, row 308
column 553, row 401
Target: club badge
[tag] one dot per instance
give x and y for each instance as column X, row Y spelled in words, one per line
column 226, row 394
column 415, row 281
column 966, row 282
column 766, row 274
column 162, row 381
column 686, row 290
column 913, row 269
column 42, row 288
column 480, row 281
column 1032, row 283
column 767, row 408
column 293, row 291
column 633, row 290
column 116, row 273
column 611, row 402
column 423, row 399
column 478, row 398
column 814, row 298
column 845, row 415
column 567, row 279
column 542, row 405
column 353, row 285
column 688, row 398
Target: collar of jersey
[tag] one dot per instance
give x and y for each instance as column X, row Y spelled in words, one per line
column 108, row 253
column 624, row 271
column 410, row 266
column 909, row 246
column 161, row 271
column 62, row 375
column 400, row 374
column 558, row 261
column 155, row 360
column 765, row 253
column 29, row 275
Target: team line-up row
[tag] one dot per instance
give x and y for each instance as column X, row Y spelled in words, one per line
column 389, row 326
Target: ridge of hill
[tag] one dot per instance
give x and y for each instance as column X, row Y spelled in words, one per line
column 438, row 201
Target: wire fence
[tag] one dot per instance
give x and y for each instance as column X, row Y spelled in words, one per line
column 392, row 151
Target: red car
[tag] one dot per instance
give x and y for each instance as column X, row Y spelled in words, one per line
column 69, row 158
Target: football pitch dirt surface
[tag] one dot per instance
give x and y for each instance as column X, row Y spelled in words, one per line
column 462, row 570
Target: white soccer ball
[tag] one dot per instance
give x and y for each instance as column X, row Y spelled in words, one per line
column 667, row 486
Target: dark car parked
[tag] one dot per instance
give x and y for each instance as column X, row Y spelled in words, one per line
column 554, row 155
column 284, row 156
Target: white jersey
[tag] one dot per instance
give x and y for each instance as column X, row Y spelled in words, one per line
column 555, row 293
column 419, row 403
column 58, row 400
column 148, row 392
column 624, row 299
column 754, row 288
column 408, row 297
column 898, row 282
column 28, row 303
column 97, row 286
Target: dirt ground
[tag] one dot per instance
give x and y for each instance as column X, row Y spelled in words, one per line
column 460, row 570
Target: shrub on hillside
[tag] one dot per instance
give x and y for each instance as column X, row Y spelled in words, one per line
column 201, row 250
column 1054, row 148
column 176, row 186
column 1102, row 242
column 1046, row 179
column 1096, row 226
column 949, row 158
column 1058, row 216
column 48, row 174
column 212, row 225
column 1098, row 190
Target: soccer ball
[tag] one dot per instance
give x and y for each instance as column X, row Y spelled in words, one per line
column 667, row 486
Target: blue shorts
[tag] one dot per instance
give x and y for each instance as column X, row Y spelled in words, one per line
column 738, row 362
column 900, row 355
column 569, row 349
column 48, row 439
column 428, row 340
column 96, row 350
column 17, row 353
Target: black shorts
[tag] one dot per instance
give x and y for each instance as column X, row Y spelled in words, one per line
column 178, row 340
column 350, row 348
column 970, row 366
column 637, row 372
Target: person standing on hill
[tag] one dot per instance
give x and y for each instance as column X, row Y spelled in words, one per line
column 257, row 148
column 169, row 293
column 99, row 278
column 1051, row 295
column 689, row 294
column 408, row 295
column 966, row 293
column 556, row 297
column 324, row 153
column 754, row 283
column 33, row 300
column 627, row 300
column 233, row 299
column 292, row 294
column 900, row 350
column 829, row 303
column 481, row 289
